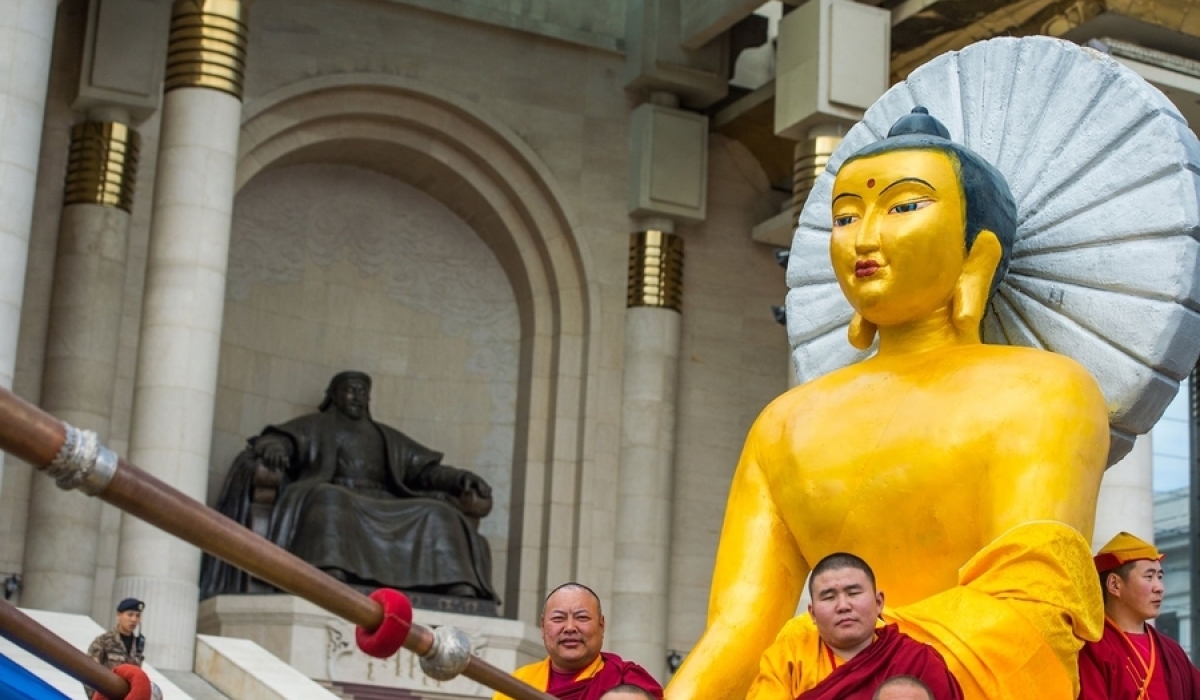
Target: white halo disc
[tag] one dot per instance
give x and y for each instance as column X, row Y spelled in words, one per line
column 1104, row 171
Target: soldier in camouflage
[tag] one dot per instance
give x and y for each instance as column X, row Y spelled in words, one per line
column 121, row 644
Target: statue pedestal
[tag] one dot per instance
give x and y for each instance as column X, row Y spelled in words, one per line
column 321, row 645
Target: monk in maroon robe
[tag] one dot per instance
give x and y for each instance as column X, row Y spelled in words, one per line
column 575, row 668
column 838, row 651
column 1133, row 661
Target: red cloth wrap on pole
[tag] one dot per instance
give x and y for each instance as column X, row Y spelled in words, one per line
column 391, row 633
column 139, row 683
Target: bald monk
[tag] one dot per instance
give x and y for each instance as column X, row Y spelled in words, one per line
column 627, row 691
column 575, row 669
column 966, row 473
column 903, row 688
column 1132, row 661
column 849, row 657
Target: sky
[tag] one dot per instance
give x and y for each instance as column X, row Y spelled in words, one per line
column 1170, row 443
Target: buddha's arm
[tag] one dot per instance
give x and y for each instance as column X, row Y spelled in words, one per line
column 1050, row 452
column 756, row 584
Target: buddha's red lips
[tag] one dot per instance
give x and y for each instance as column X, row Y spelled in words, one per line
column 865, row 268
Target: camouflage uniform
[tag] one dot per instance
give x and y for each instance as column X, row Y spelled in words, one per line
column 109, row 651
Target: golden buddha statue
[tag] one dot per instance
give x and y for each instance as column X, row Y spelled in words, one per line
column 966, row 474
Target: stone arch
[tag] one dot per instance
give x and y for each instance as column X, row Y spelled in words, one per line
column 483, row 172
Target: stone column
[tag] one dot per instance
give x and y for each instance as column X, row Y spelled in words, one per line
column 1126, row 500
column 637, row 629
column 811, row 156
column 26, row 37
column 81, row 353
column 176, row 377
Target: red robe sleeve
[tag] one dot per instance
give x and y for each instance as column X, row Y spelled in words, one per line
column 1093, row 679
column 929, row 666
column 892, row 654
column 616, row 671
column 1183, row 679
column 636, row 675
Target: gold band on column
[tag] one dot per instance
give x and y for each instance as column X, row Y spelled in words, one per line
column 208, row 46
column 102, row 165
column 655, row 270
column 811, row 158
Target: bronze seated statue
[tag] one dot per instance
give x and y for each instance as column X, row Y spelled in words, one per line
column 359, row 500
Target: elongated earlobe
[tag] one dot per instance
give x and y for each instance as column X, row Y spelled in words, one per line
column 971, row 293
column 861, row 332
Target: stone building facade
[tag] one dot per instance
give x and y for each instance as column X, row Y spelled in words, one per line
column 462, row 199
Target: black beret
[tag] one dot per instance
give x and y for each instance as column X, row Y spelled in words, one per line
column 130, row 604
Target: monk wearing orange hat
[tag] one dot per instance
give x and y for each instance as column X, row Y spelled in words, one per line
column 1132, row 661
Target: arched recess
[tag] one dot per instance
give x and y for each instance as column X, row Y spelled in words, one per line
column 482, row 171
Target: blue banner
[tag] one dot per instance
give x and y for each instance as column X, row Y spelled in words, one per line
column 16, row 683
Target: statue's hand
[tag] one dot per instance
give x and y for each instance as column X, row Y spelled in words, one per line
column 474, row 497
column 272, row 454
column 471, row 483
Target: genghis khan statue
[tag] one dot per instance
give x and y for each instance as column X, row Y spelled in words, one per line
column 361, row 501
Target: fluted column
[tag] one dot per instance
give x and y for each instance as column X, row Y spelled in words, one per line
column 638, row 625
column 811, row 157
column 81, row 354
column 176, row 378
column 1126, row 501
column 26, row 36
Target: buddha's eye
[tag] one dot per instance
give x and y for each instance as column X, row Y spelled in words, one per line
column 840, row 221
column 906, row 207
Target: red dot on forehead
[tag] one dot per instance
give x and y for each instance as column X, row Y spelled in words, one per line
column 871, row 182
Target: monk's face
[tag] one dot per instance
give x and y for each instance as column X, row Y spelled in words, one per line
column 845, row 606
column 572, row 629
column 352, row 397
column 898, row 244
column 1141, row 592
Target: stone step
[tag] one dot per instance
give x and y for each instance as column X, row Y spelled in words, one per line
column 194, row 685
column 361, row 691
column 328, row 685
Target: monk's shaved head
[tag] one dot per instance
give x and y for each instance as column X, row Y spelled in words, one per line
column 840, row 560
column 628, row 691
column 570, row 586
column 903, row 688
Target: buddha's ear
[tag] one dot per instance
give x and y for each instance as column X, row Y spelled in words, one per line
column 861, row 332
column 971, row 292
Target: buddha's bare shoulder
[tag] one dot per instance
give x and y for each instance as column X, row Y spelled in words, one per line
column 1021, row 368
column 980, row 370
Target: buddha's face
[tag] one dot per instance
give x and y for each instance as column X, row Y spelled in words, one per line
column 898, row 246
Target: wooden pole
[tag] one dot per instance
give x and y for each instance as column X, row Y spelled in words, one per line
column 26, row 633
column 36, row 437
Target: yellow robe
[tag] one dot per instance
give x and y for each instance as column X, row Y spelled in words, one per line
column 797, row 646
column 538, row 675
column 1013, row 627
